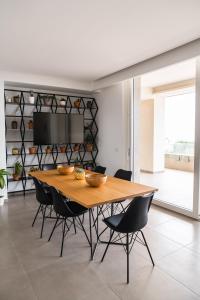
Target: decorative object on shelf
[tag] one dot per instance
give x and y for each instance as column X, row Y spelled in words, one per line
column 24, row 113
column 62, row 102
column 34, row 169
column 16, row 99
column 95, row 180
column 31, row 98
column 17, row 171
column 15, row 151
column 14, row 124
column 65, row 169
column 9, row 100
column 48, row 150
column 48, row 100
column 3, row 173
column 76, row 147
column 63, row 149
column 30, row 124
column 88, row 167
column 77, row 103
column 79, row 173
column 32, row 150
column 89, row 104
column 89, row 142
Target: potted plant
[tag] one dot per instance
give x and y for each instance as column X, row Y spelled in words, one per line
column 63, row 149
column 76, row 147
column 31, row 98
column 30, row 124
column 89, row 142
column 17, row 171
column 62, row 102
column 48, row 150
column 77, row 103
column 32, row 150
column 3, row 173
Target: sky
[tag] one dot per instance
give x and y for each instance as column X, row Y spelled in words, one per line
column 180, row 117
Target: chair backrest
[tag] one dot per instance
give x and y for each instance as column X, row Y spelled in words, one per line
column 123, row 174
column 41, row 194
column 59, row 205
column 49, row 167
column 100, row 169
column 136, row 215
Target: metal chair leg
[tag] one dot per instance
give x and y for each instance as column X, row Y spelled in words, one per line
column 84, row 230
column 147, row 248
column 54, row 227
column 63, row 237
column 43, row 214
column 107, row 246
column 36, row 215
column 74, row 225
column 127, row 254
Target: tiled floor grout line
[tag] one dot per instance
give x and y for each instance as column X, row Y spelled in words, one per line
column 165, row 272
column 24, row 271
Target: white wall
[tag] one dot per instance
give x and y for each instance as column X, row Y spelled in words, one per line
column 113, row 120
column 2, row 136
column 146, row 134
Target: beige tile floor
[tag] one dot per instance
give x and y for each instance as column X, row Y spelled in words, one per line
column 174, row 186
column 30, row 267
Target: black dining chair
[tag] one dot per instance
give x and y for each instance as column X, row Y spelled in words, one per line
column 113, row 207
column 129, row 224
column 125, row 175
column 45, row 200
column 100, row 169
column 47, row 167
column 66, row 211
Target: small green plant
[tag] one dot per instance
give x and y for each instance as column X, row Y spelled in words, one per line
column 18, row 168
column 3, row 173
column 89, row 139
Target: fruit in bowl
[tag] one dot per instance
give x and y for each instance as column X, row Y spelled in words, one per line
column 79, row 173
column 65, row 169
column 96, row 180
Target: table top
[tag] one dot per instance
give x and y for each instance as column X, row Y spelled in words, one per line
column 113, row 190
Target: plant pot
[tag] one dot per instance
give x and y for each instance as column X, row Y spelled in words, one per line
column 89, row 147
column 48, row 150
column 62, row 102
column 76, row 147
column 77, row 103
column 16, row 177
column 32, row 150
column 89, row 104
column 63, row 149
column 14, row 125
column 15, row 151
column 30, row 124
column 31, row 99
column 16, row 99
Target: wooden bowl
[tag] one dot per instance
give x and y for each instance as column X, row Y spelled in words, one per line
column 96, row 180
column 65, row 169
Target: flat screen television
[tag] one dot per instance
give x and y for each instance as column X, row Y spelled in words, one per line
column 51, row 128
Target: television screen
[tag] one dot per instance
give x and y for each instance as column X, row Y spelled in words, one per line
column 51, row 128
column 76, row 128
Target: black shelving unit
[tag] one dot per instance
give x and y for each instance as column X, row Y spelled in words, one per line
column 88, row 107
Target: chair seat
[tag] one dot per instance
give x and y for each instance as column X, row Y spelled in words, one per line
column 113, row 221
column 76, row 209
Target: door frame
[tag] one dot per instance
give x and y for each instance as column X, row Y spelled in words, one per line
column 134, row 145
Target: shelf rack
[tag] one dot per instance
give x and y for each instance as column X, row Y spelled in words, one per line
column 88, row 107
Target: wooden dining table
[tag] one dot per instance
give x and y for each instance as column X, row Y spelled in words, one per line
column 113, row 190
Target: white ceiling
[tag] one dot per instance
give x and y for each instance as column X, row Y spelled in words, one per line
column 88, row 39
column 178, row 72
